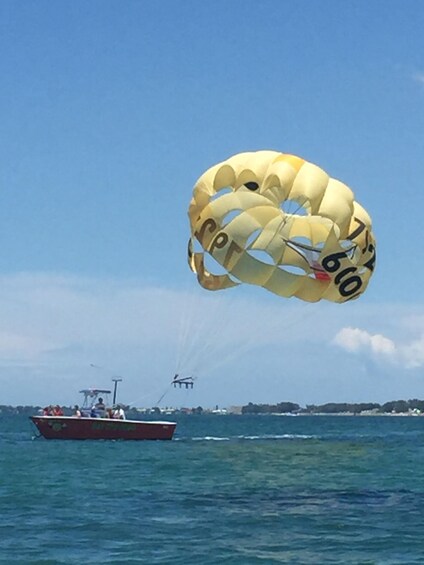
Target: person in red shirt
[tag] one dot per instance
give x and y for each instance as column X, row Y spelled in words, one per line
column 57, row 411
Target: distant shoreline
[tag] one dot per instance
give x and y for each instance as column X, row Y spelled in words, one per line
column 385, row 414
column 248, row 410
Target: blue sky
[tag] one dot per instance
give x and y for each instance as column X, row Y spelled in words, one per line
column 110, row 111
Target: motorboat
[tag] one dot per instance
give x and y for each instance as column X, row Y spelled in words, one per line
column 94, row 420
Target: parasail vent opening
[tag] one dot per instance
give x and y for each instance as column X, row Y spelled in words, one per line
column 212, row 265
column 252, row 238
column 230, row 217
column 292, row 269
column 261, row 256
column 251, row 185
column 293, row 207
column 221, row 192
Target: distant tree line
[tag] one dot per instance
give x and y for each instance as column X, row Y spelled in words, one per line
column 337, row 408
column 25, row 410
column 280, row 408
column 392, row 407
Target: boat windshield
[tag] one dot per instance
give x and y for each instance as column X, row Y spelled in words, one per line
column 94, row 395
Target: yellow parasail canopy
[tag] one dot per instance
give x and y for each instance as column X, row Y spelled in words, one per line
column 240, row 215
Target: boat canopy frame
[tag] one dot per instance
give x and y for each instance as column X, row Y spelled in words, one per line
column 91, row 395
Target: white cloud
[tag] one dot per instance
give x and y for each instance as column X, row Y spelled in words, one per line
column 413, row 353
column 409, row 355
column 356, row 340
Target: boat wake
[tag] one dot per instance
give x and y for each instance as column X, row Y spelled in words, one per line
column 265, row 437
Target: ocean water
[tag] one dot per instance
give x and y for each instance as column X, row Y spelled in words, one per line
column 239, row 490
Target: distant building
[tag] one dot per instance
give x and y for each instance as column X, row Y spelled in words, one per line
column 235, row 409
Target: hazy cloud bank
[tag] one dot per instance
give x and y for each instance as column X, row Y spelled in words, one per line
column 250, row 344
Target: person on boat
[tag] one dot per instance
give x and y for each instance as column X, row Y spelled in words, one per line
column 77, row 411
column 100, row 405
column 98, row 410
column 57, row 411
column 48, row 411
column 119, row 413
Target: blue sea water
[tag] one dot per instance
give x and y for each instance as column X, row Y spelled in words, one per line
column 236, row 490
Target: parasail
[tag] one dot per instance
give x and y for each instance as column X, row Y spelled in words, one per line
column 277, row 221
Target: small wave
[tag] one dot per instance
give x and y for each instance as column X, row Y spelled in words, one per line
column 277, row 437
column 210, row 438
column 204, row 438
column 264, row 437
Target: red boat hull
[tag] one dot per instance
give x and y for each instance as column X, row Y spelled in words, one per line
column 63, row 427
